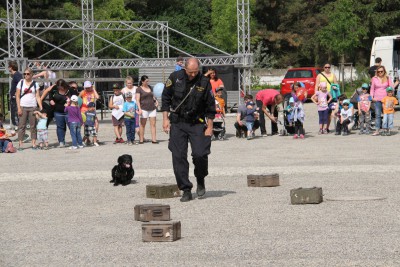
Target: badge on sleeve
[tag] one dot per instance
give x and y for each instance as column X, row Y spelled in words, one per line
column 199, row 89
column 168, row 83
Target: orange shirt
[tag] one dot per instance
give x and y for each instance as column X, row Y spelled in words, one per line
column 221, row 103
column 215, row 84
column 388, row 103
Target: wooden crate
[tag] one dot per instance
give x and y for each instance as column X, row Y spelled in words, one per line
column 162, row 191
column 268, row 180
column 306, row 195
column 161, row 231
column 152, row 212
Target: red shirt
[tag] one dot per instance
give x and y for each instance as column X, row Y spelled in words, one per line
column 267, row 96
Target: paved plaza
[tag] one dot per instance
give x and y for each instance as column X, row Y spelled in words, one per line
column 58, row 208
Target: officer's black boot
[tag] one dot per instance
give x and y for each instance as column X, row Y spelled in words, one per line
column 187, row 196
column 201, row 188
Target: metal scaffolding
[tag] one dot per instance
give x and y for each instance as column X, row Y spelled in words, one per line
column 18, row 27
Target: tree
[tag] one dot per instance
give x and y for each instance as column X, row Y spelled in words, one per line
column 344, row 32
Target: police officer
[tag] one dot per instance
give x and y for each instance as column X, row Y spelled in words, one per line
column 188, row 100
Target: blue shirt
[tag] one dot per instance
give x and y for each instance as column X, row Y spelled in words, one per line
column 42, row 124
column 130, row 107
column 90, row 117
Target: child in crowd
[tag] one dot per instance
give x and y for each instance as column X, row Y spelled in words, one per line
column 289, row 111
column 296, row 117
column 74, row 121
column 130, row 107
column 90, row 129
column 6, row 145
column 346, row 116
column 221, row 102
column 42, row 133
column 388, row 103
column 115, row 104
column 251, row 112
column 364, row 114
column 322, row 98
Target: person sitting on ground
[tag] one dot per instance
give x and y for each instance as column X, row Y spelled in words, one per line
column 241, row 129
column 346, row 116
column 6, row 145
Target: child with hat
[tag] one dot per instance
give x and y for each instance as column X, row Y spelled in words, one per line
column 130, row 108
column 346, row 117
column 116, row 103
column 251, row 112
column 364, row 105
column 388, row 103
column 322, row 98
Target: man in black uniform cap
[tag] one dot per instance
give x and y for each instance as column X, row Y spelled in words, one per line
column 188, row 99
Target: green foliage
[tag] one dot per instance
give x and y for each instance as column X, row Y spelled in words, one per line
column 344, row 31
column 263, row 58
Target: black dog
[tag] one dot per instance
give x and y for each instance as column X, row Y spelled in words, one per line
column 123, row 172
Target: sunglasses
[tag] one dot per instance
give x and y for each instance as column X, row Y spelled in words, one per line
column 27, row 73
column 380, row 71
column 327, row 67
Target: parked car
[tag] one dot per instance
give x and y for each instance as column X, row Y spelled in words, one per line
column 306, row 75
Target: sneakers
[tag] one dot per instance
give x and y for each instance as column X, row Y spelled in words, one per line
column 129, row 143
column 302, row 136
column 345, row 133
column 295, row 136
column 264, row 135
column 187, row 196
column 61, row 145
column 321, row 131
column 73, row 147
column 119, row 141
column 80, row 146
column 325, row 131
column 95, row 144
column 361, row 132
column 337, row 133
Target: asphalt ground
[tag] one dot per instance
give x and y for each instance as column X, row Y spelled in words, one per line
column 58, row 208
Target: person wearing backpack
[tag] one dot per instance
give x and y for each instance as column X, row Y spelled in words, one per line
column 28, row 100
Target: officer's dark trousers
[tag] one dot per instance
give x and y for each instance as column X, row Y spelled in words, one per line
column 274, row 126
column 180, row 134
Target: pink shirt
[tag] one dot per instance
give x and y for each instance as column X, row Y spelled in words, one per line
column 267, row 96
column 378, row 89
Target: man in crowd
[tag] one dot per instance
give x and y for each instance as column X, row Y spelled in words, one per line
column 267, row 100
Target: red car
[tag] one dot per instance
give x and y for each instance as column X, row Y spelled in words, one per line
column 306, row 75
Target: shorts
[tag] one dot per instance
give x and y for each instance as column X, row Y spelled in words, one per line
column 42, row 136
column 116, row 122
column 90, row 131
column 149, row 114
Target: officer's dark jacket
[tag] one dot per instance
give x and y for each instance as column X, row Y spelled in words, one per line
column 199, row 104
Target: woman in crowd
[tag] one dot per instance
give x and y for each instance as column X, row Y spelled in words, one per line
column 28, row 100
column 59, row 95
column 379, row 83
column 147, row 104
column 129, row 87
column 214, row 80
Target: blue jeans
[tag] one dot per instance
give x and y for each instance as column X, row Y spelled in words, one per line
column 130, row 129
column 75, row 130
column 3, row 144
column 249, row 126
column 378, row 114
column 61, row 122
column 388, row 121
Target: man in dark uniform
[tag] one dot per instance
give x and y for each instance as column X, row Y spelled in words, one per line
column 16, row 78
column 187, row 104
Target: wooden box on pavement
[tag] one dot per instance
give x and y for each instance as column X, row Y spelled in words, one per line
column 161, row 231
column 306, row 195
column 268, row 180
column 162, row 191
column 152, row 212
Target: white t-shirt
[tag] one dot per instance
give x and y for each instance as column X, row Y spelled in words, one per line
column 50, row 75
column 28, row 99
column 126, row 90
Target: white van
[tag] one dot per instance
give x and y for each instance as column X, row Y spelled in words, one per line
column 388, row 49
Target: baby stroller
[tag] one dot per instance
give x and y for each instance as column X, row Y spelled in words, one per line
column 218, row 124
column 287, row 128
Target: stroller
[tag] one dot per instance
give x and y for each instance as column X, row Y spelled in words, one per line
column 287, row 128
column 218, row 124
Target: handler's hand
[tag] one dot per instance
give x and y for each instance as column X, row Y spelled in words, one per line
column 208, row 131
column 166, row 126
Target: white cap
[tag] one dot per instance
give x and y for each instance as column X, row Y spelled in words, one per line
column 87, row 84
column 74, row 98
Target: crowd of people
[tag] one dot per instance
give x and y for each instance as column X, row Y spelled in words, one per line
column 37, row 104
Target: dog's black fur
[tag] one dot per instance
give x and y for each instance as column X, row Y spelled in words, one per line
column 123, row 172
